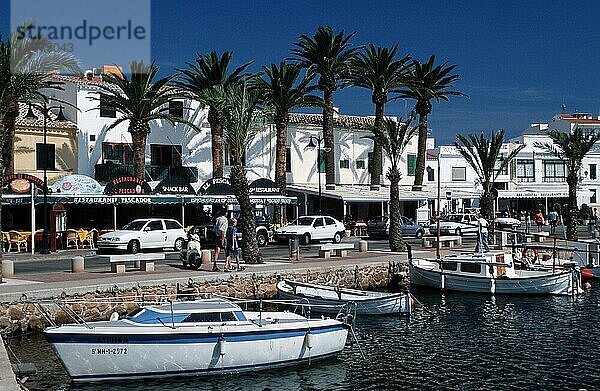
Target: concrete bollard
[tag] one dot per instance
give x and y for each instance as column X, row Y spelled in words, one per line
column 77, row 264
column 206, row 258
column 137, row 264
column 8, row 268
column 363, row 246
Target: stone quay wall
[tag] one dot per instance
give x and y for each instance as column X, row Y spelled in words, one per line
column 22, row 316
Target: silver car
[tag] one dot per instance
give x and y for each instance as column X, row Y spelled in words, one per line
column 379, row 227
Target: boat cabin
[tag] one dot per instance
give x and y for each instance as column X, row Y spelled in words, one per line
column 207, row 311
column 488, row 265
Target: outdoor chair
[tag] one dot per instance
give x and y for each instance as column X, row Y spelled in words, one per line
column 72, row 238
column 17, row 239
column 88, row 239
column 5, row 241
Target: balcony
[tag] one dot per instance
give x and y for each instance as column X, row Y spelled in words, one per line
column 109, row 170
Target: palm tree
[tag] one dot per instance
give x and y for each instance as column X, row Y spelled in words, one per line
column 238, row 107
column 208, row 73
column 139, row 99
column 570, row 148
column 378, row 70
column 393, row 138
column 25, row 65
column 483, row 156
column 424, row 82
column 328, row 55
column 281, row 91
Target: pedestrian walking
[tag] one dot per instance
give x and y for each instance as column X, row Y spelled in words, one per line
column 482, row 237
column 553, row 220
column 539, row 220
column 220, row 237
column 232, row 247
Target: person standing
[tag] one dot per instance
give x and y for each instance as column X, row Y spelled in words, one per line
column 553, row 220
column 220, row 237
column 482, row 238
column 539, row 220
column 232, row 246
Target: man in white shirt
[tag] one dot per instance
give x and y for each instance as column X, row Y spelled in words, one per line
column 483, row 235
column 220, row 228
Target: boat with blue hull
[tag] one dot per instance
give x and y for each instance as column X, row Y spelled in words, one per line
column 492, row 272
column 192, row 338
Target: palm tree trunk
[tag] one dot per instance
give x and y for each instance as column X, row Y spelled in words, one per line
column 396, row 241
column 3, row 136
column 421, row 151
column 486, row 203
column 139, row 133
column 8, row 150
column 377, row 151
column 328, row 136
column 280, row 162
column 571, row 215
column 239, row 182
column 216, row 131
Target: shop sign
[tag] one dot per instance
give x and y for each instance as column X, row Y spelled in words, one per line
column 127, row 185
column 174, row 185
column 216, row 186
column 21, row 183
column 264, row 186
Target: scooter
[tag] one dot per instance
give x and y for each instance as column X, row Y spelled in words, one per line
column 190, row 255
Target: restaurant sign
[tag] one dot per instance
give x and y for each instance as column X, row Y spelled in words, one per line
column 21, row 183
column 264, row 186
column 216, row 186
column 174, row 185
column 127, row 185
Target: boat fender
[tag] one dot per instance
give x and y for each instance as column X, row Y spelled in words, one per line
column 114, row 316
column 222, row 349
column 308, row 340
column 587, row 274
column 587, row 286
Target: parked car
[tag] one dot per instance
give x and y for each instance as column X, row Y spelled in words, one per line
column 264, row 231
column 143, row 234
column 457, row 224
column 508, row 222
column 309, row 228
column 379, row 227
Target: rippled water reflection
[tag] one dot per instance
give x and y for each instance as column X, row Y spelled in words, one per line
column 462, row 342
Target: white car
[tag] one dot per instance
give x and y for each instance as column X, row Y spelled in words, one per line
column 143, row 234
column 309, row 228
column 457, row 224
column 508, row 222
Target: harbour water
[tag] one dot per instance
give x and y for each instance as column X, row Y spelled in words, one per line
column 460, row 342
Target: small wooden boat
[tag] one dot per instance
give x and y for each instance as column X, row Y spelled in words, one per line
column 329, row 299
column 491, row 272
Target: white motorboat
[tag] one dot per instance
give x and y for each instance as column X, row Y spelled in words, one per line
column 491, row 272
column 330, row 300
column 192, row 338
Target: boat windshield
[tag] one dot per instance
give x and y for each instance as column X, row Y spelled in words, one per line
column 303, row 221
column 134, row 225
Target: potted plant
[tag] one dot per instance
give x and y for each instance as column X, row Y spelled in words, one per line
column 349, row 224
column 584, row 214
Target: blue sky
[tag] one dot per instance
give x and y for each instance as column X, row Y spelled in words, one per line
column 519, row 61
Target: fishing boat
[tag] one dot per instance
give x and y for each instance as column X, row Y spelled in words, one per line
column 192, row 338
column 328, row 299
column 492, row 272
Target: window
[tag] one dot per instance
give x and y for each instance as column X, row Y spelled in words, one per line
column 470, row 268
column 155, row 225
column 459, row 173
column 172, row 224
column 106, row 110
column 288, row 160
column 504, row 170
column 176, row 108
column 329, row 221
column 593, row 174
column 525, row 170
column 430, row 174
column 118, row 153
column 370, row 162
column 210, row 317
column 318, row 222
column 593, row 198
column 360, row 164
column 44, row 156
column 344, row 163
column 165, row 155
column 453, row 266
column 411, row 164
column 322, row 160
column 554, row 171
column 92, row 137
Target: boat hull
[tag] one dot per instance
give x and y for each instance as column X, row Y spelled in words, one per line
column 111, row 355
column 534, row 283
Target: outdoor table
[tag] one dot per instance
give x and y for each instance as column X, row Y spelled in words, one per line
column 82, row 234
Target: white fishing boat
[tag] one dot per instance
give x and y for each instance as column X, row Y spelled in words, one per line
column 491, row 272
column 328, row 299
column 192, row 338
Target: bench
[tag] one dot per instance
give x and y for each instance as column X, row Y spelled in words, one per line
column 341, row 249
column 145, row 262
column 537, row 236
column 445, row 241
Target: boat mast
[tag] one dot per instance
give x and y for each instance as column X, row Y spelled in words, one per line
column 439, row 215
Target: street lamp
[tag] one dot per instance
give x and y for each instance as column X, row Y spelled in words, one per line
column 311, row 145
column 44, row 109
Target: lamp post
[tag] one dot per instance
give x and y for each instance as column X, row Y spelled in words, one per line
column 45, row 111
column 311, row 145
